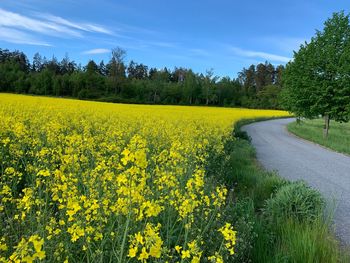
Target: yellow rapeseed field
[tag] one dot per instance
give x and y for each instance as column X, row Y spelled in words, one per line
column 97, row 182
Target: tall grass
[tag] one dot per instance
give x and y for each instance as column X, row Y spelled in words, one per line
column 307, row 243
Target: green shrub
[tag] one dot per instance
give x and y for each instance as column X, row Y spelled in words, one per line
column 268, row 184
column 242, row 135
column 295, row 200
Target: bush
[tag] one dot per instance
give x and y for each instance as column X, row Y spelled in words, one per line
column 295, row 200
column 242, row 135
column 268, row 184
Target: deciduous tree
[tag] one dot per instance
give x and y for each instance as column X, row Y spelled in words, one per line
column 317, row 81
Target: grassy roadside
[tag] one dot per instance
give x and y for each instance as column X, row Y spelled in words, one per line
column 276, row 220
column 312, row 130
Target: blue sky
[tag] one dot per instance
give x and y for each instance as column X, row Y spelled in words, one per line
column 223, row 35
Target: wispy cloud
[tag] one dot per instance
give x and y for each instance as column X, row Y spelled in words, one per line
column 258, row 54
column 88, row 27
column 10, row 19
column 138, row 43
column 16, row 36
column 97, row 51
column 136, row 29
column 162, row 44
column 18, row 28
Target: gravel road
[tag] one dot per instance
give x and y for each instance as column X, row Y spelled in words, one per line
column 294, row 159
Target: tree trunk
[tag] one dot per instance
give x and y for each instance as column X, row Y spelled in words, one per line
column 207, row 99
column 154, row 97
column 298, row 120
column 326, row 126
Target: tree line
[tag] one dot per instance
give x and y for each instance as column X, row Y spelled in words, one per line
column 257, row 86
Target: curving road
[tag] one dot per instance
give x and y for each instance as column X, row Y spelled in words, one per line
column 294, row 159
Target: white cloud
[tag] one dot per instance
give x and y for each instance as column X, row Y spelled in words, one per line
column 97, row 51
column 97, row 29
column 258, row 54
column 10, row 19
column 47, row 25
column 80, row 26
column 19, row 37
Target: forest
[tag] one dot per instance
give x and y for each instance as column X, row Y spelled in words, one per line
column 257, row 86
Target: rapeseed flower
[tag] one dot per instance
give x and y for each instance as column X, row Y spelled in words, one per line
column 85, row 180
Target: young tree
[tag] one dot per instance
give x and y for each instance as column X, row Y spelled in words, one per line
column 116, row 69
column 91, row 67
column 137, row 71
column 189, row 86
column 317, row 82
column 247, row 79
column 260, row 76
column 67, row 66
column 53, row 65
column 278, row 75
column 102, row 68
column 37, row 62
column 208, row 84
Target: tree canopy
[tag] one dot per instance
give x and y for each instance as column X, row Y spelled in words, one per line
column 316, row 83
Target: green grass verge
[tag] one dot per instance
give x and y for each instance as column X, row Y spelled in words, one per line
column 268, row 232
column 238, row 133
column 312, row 130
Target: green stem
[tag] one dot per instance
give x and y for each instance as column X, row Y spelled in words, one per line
column 124, row 239
column 209, row 223
column 185, row 241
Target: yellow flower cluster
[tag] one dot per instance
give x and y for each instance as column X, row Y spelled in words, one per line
column 229, row 236
column 193, row 252
column 149, row 243
column 88, row 181
column 28, row 250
